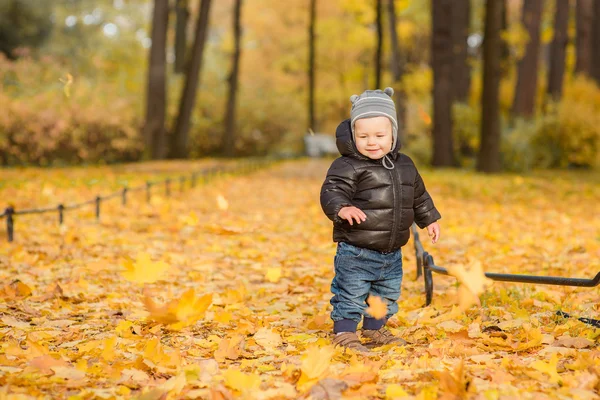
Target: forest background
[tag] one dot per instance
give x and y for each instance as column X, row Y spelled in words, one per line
column 104, row 81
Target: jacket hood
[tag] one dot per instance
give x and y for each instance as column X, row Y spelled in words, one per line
column 347, row 147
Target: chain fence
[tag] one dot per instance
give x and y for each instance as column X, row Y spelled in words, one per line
column 426, row 267
column 204, row 175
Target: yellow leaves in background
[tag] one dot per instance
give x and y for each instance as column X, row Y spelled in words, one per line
column 267, row 339
column 273, row 274
column 67, row 81
column 240, row 381
column 377, row 308
column 473, row 282
column 178, row 313
column 230, row 348
column 144, row 270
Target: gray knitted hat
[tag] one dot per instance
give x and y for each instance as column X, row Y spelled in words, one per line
column 374, row 103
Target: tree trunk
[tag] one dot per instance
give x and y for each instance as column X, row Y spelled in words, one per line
column 525, row 90
column 505, row 54
column 156, row 99
column 312, row 125
column 583, row 42
column 398, row 64
column 489, row 151
column 461, row 17
column 182, row 14
column 595, row 65
column 229, row 136
column 179, row 144
column 378, row 53
column 558, row 50
column 441, row 62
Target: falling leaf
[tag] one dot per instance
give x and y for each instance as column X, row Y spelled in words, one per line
column 144, row 270
column 377, row 308
column 473, row 282
column 178, row 313
column 222, row 203
column 394, row 391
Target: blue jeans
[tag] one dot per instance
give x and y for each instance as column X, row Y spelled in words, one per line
column 358, row 273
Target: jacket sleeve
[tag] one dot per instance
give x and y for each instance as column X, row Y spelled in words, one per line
column 338, row 189
column 425, row 211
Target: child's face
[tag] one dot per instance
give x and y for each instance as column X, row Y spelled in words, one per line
column 373, row 136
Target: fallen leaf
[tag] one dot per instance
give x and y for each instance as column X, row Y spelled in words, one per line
column 377, row 308
column 267, row 339
column 178, row 313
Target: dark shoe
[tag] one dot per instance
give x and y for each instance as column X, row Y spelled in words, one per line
column 349, row 340
column 381, row 337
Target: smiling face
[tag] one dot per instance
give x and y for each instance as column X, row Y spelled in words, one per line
column 373, row 136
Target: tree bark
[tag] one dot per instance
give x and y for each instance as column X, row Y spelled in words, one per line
column 398, row 65
column 230, row 133
column 312, row 125
column 156, row 97
column 461, row 17
column 525, row 90
column 489, row 151
column 595, row 65
column 558, row 50
column 583, row 43
column 179, row 144
column 441, row 62
column 182, row 16
column 379, row 51
column 505, row 54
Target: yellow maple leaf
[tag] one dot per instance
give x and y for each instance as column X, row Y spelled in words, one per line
column 240, row 381
column 473, row 282
column 394, row 391
column 222, row 203
column 315, row 365
column 229, row 348
column 144, row 270
column 267, row 339
column 178, row 313
column 548, row 368
column 377, row 308
column 274, row 274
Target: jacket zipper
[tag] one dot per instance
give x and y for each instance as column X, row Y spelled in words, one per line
column 393, row 233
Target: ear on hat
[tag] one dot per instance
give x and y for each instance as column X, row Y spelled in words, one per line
column 353, row 98
column 389, row 91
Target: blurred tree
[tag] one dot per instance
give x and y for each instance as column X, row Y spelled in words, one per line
column 526, row 87
column 488, row 159
column 156, row 95
column 595, row 62
column 558, row 49
column 311, row 66
column 379, row 50
column 229, row 136
column 179, row 139
column 584, row 15
column 24, row 23
column 442, row 58
column 182, row 14
column 398, row 66
column 461, row 18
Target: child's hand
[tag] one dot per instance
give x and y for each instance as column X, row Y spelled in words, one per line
column 434, row 232
column 349, row 213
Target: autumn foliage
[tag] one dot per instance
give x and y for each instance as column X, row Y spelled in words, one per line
column 222, row 292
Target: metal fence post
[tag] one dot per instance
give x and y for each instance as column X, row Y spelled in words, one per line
column 428, row 278
column 9, row 211
column 124, row 196
column 61, row 209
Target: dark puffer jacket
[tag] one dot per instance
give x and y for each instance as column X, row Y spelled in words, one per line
column 391, row 198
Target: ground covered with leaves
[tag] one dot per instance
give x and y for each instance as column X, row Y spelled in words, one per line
column 222, row 291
